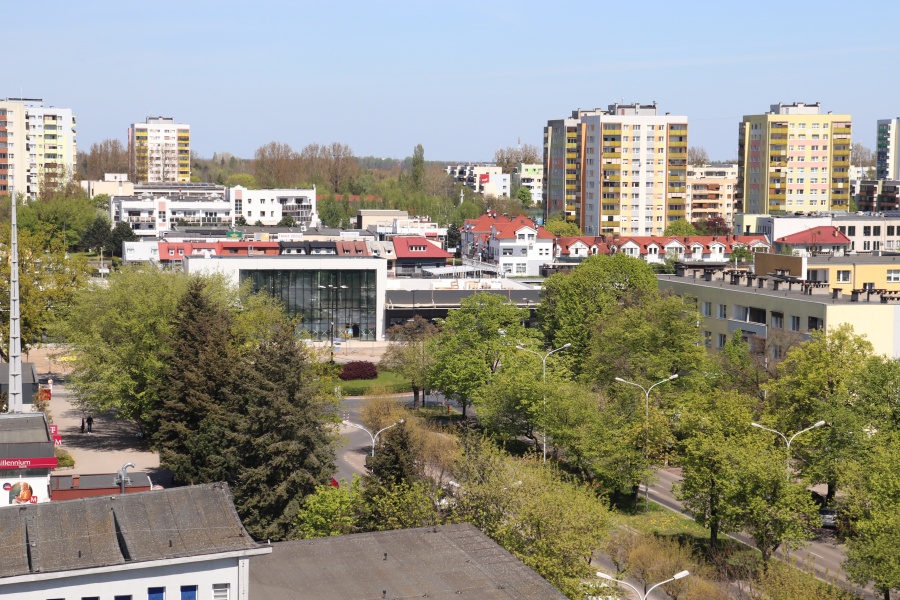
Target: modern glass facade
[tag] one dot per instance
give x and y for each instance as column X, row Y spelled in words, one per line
column 342, row 303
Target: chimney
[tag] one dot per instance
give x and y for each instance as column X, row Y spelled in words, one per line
column 76, row 480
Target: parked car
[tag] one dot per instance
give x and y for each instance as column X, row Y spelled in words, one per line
column 829, row 518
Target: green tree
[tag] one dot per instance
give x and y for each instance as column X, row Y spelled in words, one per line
column 395, row 461
column 572, row 303
column 286, row 221
column 409, row 353
column 286, row 446
column 330, row 510
column 680, row 228
column 472, row 344
column 872, row 507
column 98, row 235
column 240, row 222
column 418, row 167
column 523, row 195
column 121, row 233
column 63, row 215
column 198, row 393
column 242, row 179
column 561, row 228
column 741, row 254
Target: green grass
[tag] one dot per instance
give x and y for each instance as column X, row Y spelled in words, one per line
column 385, row 381
column 662, row 522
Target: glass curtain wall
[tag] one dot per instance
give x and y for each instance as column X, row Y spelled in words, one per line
column 329, row 303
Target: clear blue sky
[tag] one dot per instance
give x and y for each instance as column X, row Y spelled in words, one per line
column 462, row 78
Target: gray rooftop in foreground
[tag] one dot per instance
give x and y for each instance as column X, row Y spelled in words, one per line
column 443, row 563
column 119, row 529
column 25, row 435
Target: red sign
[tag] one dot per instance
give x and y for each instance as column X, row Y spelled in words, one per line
column 54, row 430
column 57, row 440
column 49, row 462
column 484, row 178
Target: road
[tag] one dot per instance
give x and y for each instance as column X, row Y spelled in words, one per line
column 825, row 556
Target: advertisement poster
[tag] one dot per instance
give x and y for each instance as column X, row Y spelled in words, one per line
column 24, row 491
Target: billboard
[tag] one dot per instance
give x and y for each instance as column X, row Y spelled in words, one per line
column 484, row 178
column 29, row 490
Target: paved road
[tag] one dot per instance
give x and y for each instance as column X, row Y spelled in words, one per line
column 825, row 556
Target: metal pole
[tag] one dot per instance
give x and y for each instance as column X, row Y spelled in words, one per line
column 15, row 333
column 544, row 358
column 787, row 442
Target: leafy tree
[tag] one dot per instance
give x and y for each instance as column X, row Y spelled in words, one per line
column 409, row 354
column 741, row 254
column 872, row 507
column 198, row 393
column 572, row 303
column 240, row 221
column 286, row 448
column 286, row 221
column 523, row 195
column 395, row 460
column 330, row 511
column 401, row 506
column 242, row 179
column 258, row 223
column 418, row 167
column 454, row 238
column 714, row 426
column 121, row 233
column 472, row 344
column 680, row 228
column 561, row 228
column 64, row 215
column 781, row 580
column 98, row 235
column 101, row 201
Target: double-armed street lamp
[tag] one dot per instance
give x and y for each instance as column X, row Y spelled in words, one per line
column 788, row 441
column 543, row 358
column 375, row 435
column 644, row 596
column 647, row 424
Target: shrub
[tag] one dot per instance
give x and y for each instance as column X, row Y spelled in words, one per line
column 65, row 459
column 359, row 369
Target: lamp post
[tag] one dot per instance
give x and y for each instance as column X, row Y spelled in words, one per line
column 788, row 441
column 371, row 435
column 647, row 424
column 644, row 596
column 333, row 300
column 543, row 358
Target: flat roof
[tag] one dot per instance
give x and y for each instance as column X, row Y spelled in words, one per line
column 865, row 259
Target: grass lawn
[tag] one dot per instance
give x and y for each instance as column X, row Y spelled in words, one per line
column 662, row 521
column 385, row 381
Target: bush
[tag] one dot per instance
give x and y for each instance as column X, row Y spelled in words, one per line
column 65, row 459
column 359, row 369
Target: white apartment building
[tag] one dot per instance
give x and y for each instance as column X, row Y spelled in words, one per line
column 37, row 145
column 483, row 178
column 887, row 157
column 269, row 206
column 634, row 170
column 519, row 249
column 868, row 232
column 159, row 151
column 530, row 176
column 710, row 192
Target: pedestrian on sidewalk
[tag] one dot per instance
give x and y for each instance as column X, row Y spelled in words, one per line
column 82, row 424
column 90, row 424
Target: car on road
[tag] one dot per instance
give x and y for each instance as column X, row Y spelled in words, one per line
column 829, row 518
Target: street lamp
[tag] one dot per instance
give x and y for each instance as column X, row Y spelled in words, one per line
column 788, row 441
column 332, row 304
column 647, row 425
column 371, row 435
column 644, row 596
column 543, row 358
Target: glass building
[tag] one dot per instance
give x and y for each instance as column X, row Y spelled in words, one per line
column 338, row 303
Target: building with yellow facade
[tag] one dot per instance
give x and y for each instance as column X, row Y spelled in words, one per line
column 37, row 146
column 622, row 170
column 794, row 159
column 159, row 151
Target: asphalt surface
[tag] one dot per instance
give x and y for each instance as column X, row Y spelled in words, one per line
column 825, row 556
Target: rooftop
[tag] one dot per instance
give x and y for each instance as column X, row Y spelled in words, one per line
column 120, row 529
column 443, row 563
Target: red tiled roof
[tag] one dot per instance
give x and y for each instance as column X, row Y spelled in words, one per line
column 351, row 248
column 729, row 241
column 817, row 235
column 566, row 242
column 402, row 249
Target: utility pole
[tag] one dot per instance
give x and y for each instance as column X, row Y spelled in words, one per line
column 15, row 333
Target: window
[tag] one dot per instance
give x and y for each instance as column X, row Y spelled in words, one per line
column 843, row 276
column 795, row 323
column 189, row 592
column 128, row 597
column 221, row 591
column 893, row 275
column 506, row 252
column 777, row 320
column 707, row 338
column 721, row 340
column 521, row 268
column 156, row 593
column 706, row 309
column 723, row 311
column 851, row 230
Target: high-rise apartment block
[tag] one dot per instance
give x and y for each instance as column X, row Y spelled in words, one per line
column 710, row 192
column 159, row 151
column 621, row 170
column 887, row 157
column 37, row 145
column 794, row 159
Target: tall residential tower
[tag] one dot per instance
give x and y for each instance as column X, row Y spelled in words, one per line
column 887, row 159
column 621, row 170
column 793, row 159
column 37, row 145
column 159, row 151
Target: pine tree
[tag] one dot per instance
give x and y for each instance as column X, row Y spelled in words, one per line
column 395, row 460
column 197, row 417
column 287, row 448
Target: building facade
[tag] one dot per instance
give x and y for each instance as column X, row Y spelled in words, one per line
column 159, row 151
column 481, row 178
column 710, row 193
column 37, row 145
column 530, row 176
column 794, row 159
column 269, row 206
column 887, row 157
column 622, row 170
